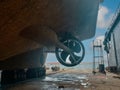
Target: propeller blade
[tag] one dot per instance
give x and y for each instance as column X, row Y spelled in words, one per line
column 64, row 55
column 76, row 59
column 75, row 46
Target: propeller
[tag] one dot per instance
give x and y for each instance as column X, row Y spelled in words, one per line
column 74, row 46
column 67, row 58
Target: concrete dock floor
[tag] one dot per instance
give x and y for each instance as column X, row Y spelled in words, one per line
column 70, row 80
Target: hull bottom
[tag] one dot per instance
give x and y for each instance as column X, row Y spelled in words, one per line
column 14, row 76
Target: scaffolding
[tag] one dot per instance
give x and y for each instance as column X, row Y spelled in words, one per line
column 98, row 56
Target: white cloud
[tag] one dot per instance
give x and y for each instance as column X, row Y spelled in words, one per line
column 104, row 17
column 99, row 40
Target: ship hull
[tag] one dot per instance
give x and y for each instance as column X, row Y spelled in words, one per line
column 77, row 17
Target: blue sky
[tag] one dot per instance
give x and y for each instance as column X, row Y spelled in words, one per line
column 106, row 12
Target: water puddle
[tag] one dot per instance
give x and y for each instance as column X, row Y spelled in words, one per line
column 68, row 81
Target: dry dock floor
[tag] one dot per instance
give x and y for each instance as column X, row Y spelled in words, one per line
column 70, row 79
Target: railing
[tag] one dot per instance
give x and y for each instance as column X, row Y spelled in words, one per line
column 114, row 17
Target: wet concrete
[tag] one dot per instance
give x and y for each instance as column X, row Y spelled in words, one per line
column 69, row 80
column 53, row 82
